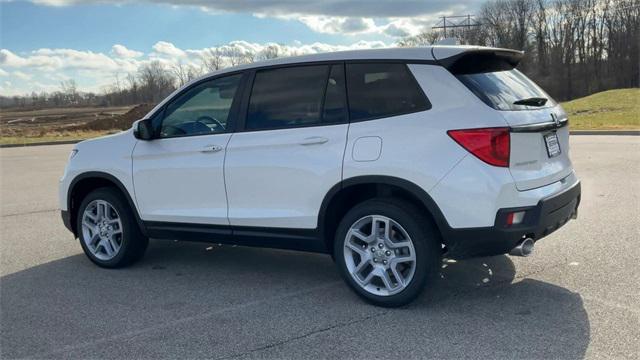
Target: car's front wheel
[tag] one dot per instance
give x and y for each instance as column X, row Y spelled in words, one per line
column 107, row 229
column 386, row 251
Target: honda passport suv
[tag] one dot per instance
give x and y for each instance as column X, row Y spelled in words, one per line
column 389, row 160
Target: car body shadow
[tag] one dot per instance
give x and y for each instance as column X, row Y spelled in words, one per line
column 63, row 308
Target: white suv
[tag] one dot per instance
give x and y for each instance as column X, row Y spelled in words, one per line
column 386, row 159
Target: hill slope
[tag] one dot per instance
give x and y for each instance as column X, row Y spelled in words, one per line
column 607, row 110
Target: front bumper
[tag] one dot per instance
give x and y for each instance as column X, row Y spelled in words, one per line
column 539, row 221
column 66, row 220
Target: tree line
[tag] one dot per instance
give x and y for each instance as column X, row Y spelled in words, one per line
column 572, row 48
column 152, row 82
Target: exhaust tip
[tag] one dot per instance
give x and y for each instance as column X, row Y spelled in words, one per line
column 524, row 248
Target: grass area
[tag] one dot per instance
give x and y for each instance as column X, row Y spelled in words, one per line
column 608, row 110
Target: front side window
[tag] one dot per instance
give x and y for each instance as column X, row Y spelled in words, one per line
column 203, row 109
column 287, row 97
column 377, row 90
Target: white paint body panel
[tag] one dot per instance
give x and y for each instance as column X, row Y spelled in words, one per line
column 471, row 194
column 416, row 146
column 530, row 164
column 108, row 154
column 277, row 178
column 176, row 181
column 367, row 148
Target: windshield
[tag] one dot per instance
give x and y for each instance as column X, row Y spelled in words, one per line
column 501, row 89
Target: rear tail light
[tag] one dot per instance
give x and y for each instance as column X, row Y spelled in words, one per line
column 491, row 145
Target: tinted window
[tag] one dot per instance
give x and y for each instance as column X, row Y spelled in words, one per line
column 203, row 109
column 335, row 106
column 287, row 97
column 501, row 89
column 381, row 89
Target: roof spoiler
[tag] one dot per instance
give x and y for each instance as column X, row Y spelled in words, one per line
column 477, row 60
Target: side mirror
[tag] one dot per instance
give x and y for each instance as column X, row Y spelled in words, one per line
column 143, row 130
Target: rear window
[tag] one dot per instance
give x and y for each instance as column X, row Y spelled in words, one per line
column 377, row 90
column 501, row 89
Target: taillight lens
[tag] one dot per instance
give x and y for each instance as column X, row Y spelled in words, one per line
column 491, row 145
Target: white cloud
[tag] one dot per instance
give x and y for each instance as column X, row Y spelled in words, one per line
column 164, row 48
column 393, row 18
column 43, row 69
column 21, row 75
column 55, row 2
column 394, row 27
column 122, row 52
column 344, row 8
column 338, row 25
column 9, row 59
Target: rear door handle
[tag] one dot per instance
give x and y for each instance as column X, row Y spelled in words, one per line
column 211, row 148
column 314, row 140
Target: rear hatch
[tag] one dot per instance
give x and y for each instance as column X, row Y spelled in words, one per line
column 539, row 127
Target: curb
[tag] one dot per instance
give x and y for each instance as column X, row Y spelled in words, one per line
column 605, row 132
column 65, row 142
column 573, row 132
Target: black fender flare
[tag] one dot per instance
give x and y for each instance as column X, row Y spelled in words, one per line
column 420, row 194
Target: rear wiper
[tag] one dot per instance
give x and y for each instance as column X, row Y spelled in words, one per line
column 534, row 101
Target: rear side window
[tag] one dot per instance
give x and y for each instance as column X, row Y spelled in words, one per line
column 335, row 107
column 377, row 90
column 287, row 97
column 507, row 90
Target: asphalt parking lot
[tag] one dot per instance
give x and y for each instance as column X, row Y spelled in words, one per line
column 577, row 296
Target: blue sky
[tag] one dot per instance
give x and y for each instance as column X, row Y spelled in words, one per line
column 46, row 41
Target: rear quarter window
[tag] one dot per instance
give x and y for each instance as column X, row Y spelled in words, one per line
column 377, row 90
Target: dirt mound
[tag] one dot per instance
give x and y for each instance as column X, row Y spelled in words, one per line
column 121, row 122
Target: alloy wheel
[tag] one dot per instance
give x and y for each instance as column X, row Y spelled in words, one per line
column 102, row 230
column 379, row 255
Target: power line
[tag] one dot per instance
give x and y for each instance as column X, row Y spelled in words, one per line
column 457, row 21
column 470, row 22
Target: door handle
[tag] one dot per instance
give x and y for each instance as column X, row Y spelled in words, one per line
column 314, row 140
column 211, row 148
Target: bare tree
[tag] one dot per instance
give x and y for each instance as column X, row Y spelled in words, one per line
column 133, row 89
column 69, row 91
column 234, row 55
column 572, row 47
column 237, row 56
column 213, row 59
column 271, row 51
column 155, row 82
column 422, row 39
column 184, row 73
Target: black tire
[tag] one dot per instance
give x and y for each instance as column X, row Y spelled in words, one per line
column 426, row 242
column 134, row 243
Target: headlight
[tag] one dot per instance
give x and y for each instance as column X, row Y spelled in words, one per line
column 73, row 153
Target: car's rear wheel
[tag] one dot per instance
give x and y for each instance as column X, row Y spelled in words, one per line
column 107, row 229
column 386, row 251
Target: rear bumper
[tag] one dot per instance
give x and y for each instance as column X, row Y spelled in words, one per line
column 539, row 221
